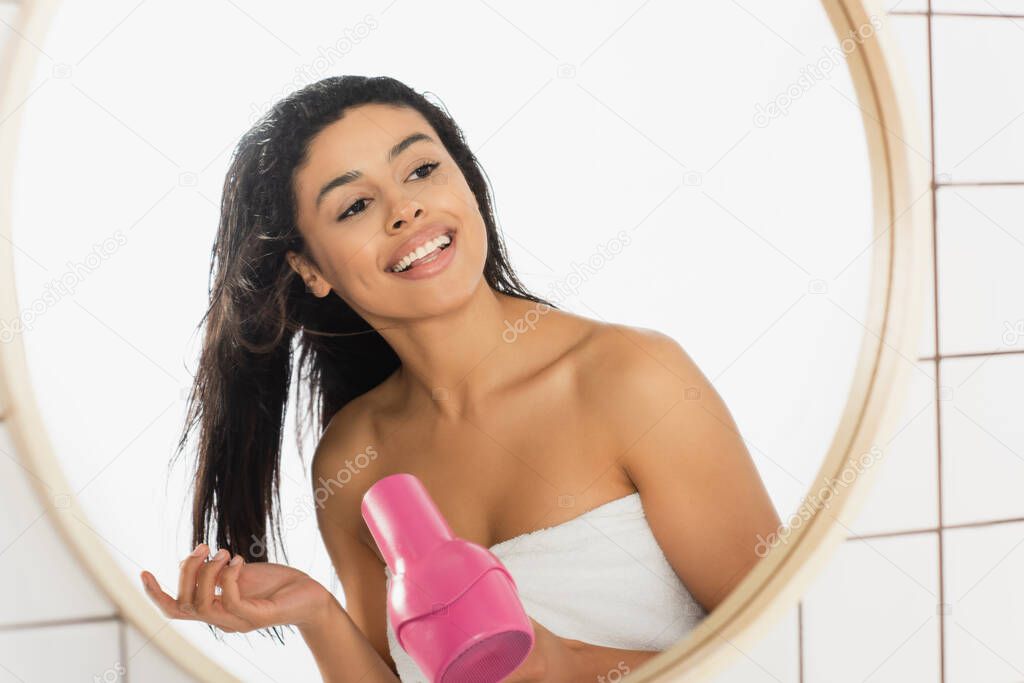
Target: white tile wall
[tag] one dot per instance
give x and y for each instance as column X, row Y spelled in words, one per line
column 984, row 627
column 146, row 662
column 41, row 579
column 981, row 282
column 904, row 493
column 775, row 658
column 43, row 582
column 979, row 103
column 871, row 614
column 983, row 438
column 904, row 5
column 60, row 654
column 1011, row 7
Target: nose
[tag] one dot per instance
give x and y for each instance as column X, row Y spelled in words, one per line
column 408, row 212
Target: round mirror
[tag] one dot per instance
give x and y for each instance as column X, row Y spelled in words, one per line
column 704, row 194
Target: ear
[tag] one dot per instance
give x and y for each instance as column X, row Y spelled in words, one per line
column 295, row 261
column 305, row 270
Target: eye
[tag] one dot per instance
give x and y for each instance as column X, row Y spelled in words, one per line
column 347, row 214
column 429, row 165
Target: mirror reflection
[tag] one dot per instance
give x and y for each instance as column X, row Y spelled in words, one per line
column 593, row 280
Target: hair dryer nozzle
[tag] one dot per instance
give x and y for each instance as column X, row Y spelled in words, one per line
column 453, row 605
column 403, row 520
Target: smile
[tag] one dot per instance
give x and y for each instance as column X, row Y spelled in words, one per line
column 432, row 258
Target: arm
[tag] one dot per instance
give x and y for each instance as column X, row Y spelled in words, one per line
column 604, row 663
column 360, row 571
column 701, row 492
column 555, row 658
column 342, row 652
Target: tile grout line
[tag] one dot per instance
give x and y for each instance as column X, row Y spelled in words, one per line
column 980, row 183
column 122, row 648
column 973, row 354
column 969, row 15
column 938, row 350
column 935, row 529
column 50, row 623
column 800, row 640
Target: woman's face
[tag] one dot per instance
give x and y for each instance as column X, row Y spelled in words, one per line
column 358, row 205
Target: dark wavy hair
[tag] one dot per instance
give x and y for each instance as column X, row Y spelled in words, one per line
column 258, row 304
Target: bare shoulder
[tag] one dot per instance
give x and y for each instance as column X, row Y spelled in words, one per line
column 344, row 461
column 634, row 377
column 625, row 363
column 353, row 423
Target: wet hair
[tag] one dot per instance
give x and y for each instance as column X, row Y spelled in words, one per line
column 260, row 314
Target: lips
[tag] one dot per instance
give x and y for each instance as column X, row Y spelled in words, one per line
column 425, row 234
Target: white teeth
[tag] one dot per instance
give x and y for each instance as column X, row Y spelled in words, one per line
column 439, row 241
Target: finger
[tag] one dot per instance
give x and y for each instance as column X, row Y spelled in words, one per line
column 231, row 597
column 187, row 577
column 204, row 595
column 167, row 604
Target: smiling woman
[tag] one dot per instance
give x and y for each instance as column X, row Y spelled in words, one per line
column 360, row 325
column 446, row 331
column 357, row 258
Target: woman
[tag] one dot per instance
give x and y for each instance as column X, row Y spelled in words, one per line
column 355, row 215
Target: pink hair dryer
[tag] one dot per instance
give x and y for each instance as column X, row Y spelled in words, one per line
column 453, row 606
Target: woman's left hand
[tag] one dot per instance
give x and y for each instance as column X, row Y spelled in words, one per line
column 547, row 661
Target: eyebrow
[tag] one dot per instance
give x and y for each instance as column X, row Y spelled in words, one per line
column 352, row 176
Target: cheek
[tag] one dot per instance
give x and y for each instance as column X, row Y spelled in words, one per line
column 353, row 263
column 481, row 240
column 473, row 220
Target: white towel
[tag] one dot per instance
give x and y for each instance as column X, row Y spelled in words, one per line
column 600, row 578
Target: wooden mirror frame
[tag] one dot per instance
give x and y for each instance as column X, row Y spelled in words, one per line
column 895, row 306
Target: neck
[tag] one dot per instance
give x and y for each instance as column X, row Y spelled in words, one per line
column 457, row 359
